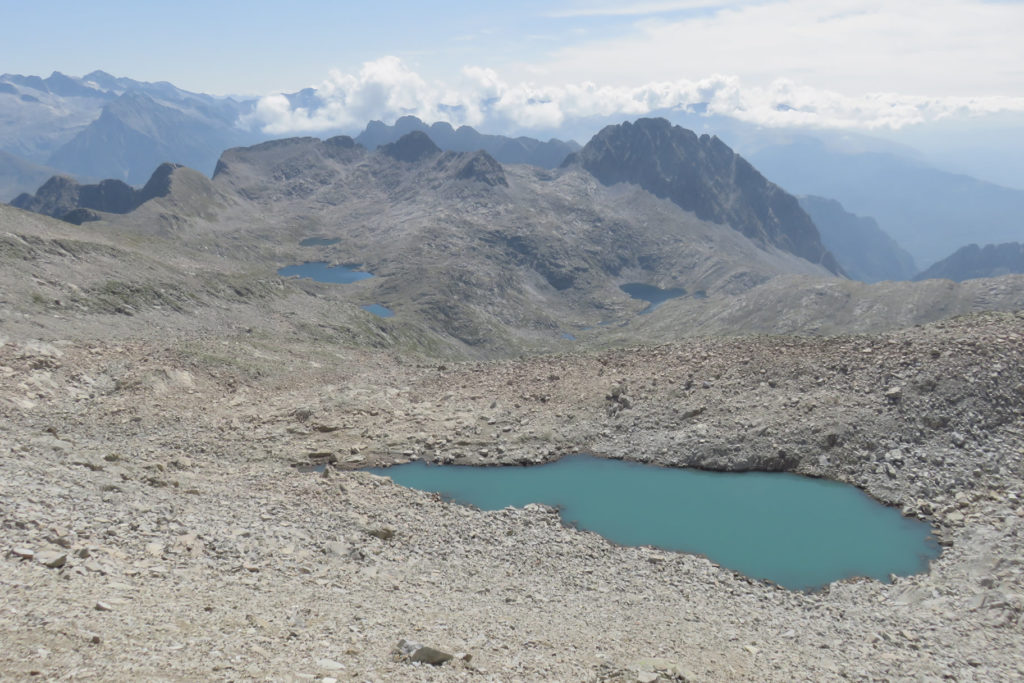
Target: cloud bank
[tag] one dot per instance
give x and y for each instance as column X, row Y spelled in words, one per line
column 387, row 88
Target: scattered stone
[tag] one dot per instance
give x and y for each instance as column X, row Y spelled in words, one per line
column 22, row 553
column 52, row 559
column 103, row 607
column 412, row 651
column 329, row 665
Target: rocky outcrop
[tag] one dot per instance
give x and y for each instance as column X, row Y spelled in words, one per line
column 481, row 167
column 64, row 198
column 703, row 175
column 973, row 262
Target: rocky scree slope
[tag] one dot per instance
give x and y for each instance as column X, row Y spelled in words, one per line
column 153, row 526
column 478, row 246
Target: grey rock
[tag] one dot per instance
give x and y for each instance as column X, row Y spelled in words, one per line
column 413, row 651
column 52, row 559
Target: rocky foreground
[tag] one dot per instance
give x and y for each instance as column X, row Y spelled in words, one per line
column 154, row 526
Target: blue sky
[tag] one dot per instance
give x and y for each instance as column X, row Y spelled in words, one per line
column 824, row 63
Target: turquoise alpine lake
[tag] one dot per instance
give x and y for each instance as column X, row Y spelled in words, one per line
column 798, row 532
column 378, row 310
column 321, row 271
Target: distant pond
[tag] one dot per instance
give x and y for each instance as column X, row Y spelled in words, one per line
column 321, row 271
column 798, row 532
column 319, row 241
column 655, row 296
column 378, row 310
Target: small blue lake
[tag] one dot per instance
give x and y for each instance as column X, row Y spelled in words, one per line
column 655, row 296
column 319, row 241
column 798, row 532
column 379, row 311
column 321, row 271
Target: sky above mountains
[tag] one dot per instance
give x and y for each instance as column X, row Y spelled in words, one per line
column 532, row 65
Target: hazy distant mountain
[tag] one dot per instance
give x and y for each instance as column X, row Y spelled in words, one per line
column 521, row 150
column 702, row 175
column 972, row 261
column 19, row 175
column 107, row 127
column 141, row 129
column 928, row 212
column 864, row 250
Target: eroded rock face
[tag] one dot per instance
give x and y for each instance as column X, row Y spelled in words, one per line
column 703, row 175
column 64, row 198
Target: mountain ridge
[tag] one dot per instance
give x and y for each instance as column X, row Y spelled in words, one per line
column 504, row 149
column 973, row 262
column 702, row 174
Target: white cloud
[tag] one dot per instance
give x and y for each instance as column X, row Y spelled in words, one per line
column 936, row 48
column 387, row 89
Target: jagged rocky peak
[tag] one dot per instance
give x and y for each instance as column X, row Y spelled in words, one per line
column 64, row 198
column 703, row 175
column 411, row 147
column 159, row 184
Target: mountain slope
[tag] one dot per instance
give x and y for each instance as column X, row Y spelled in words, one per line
column 928, row 212
column 507, row 150
column 19, row 175
column 101, row 126
column 479, row 259
column 864, row 250
column 702, row 175
column 138, row 130
column 972, row 262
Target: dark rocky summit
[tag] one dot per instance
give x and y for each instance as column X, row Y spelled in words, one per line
column 865, row 251
column 973, row 262
column 703, row 175
column 64, row 198
column 411, row 148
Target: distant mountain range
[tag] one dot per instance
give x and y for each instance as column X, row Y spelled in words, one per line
column 865, row 251
column 520, row 150
column 929, row 212
column 972, row 261
column 101, row 126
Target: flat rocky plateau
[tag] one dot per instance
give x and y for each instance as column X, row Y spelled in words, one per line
column 155, row 527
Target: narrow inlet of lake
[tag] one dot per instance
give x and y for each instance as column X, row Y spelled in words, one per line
column 798, row 532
